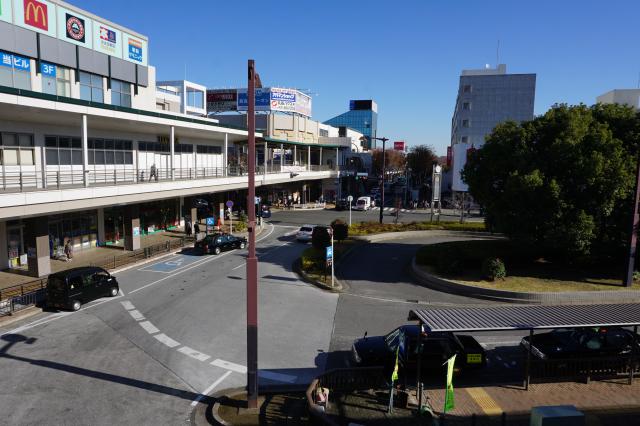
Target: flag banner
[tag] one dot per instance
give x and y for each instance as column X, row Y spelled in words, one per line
column 394, row 375
column 449, row 403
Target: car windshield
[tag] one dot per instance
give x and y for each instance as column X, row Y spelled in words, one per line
column 55, row 283
column 391, row 339
column 305, row 229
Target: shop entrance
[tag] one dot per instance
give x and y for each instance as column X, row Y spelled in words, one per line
column 15, row 244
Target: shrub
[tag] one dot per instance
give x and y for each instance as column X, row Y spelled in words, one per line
column 340, row 230
column 320, row 237
column 310, row 259
column 240, row 226
column 636, row 275
column 242, row 216
column 493, row 268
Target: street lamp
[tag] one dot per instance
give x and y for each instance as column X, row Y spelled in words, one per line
column 384, row 141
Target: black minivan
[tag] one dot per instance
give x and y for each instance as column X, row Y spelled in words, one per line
column 71, row 288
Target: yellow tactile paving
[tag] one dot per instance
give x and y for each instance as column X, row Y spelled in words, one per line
column 482, row 398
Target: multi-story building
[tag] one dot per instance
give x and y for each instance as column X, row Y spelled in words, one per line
column 85, row 155
column 487, row 97
column 181, row 96
column 361, row 117
column 630, row 97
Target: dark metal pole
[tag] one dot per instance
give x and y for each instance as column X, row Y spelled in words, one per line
column 632, row 364
column 419, row 368
column 384, row 163
column 528, row 378
column 633, row 240
column 252, row 260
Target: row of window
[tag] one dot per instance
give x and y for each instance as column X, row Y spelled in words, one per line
column 208, row 149
column 16, row 149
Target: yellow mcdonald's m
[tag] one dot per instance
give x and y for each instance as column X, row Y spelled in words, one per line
column 35, row 14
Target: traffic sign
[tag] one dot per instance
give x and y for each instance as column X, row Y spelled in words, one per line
column 329, row 252
column 211, row 221
column 350, row 198
column 257, row 200
column 229, row 203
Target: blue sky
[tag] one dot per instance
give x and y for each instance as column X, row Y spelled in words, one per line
column 406, row 55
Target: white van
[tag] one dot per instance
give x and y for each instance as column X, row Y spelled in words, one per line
column 363, row 203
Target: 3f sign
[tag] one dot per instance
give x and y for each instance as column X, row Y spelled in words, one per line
column 35, row 14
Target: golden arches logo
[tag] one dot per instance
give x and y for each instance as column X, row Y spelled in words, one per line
column 35, row 14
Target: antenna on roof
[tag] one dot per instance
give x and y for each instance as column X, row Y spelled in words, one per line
column 498, row 54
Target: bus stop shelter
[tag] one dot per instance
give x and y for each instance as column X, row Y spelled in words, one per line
column 528, row 318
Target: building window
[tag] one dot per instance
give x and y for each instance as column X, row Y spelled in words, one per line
column 209, row 149
column 466, row 88
column 91, row 87
column 324, row 133
column 464, row 139
column 153, row 147
column 15, row 71
column 195, row 98
column 109, row 152
column 465, row 123
column 63, row 151
column 56, row 80
column 16, row 149
column 466, row 106
column 161, row 106
column 120, row 93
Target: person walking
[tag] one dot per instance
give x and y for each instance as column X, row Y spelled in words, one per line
column 187, row 229
column 68, row 250
column 153, row 172
column 196, row 229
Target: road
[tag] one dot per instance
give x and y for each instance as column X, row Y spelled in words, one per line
column 177, row 331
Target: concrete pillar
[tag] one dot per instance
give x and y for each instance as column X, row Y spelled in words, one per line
column 337, row 158
column 266, row 153
column 181, row 211
column 194, row 215
column 101, row 233
column 36, row 241
column 309, row 157
column 132, row 230
column 281, row 156
column 225, row 154
column 85, row 151
column 320, row 162
column 295, row 155
column 4, row 246
column 172, row 148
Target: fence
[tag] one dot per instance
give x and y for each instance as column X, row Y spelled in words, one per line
column 16, row 298
column 586, row 368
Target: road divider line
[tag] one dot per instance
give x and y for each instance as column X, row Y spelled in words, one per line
column 136, row 315
column 168, row 341
column 191, row 266
column 149, row 328
column 127, row 305
column 193, row 353
column 208, row 390
column 230, row 366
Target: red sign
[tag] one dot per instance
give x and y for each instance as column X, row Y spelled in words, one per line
column 398, row 146
column 449, row 156
column 36, row 14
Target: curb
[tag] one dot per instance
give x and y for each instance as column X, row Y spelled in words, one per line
column 570, row 297
column 297, row 268
column 372, row 238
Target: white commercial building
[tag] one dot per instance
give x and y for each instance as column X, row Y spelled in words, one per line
column 629, row 97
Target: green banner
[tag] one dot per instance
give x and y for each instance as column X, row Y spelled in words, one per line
column 449, row 403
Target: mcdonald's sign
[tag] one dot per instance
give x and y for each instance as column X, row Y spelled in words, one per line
column 36, row 14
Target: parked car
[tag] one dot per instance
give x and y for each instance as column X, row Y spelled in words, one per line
column 217, row 243
column 304, row 233
column 342, row 204
column 437, row 348
column 582, row 342
column 72, row 288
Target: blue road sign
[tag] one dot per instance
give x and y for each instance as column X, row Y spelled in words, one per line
column 229, row 203
column 211, row 221
column 329, row 252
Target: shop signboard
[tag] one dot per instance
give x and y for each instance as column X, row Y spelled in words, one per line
column 75, row 28
column 36, row 15
column 329, row 255
column 15, row 61
column 263, row 100
column 6, row 11
column 107, row 39
column 283, row 100
column 399, row 146
column 303, row 104
column 136, row 231
column 134, row 49
column 222, row 100
column 276, row 99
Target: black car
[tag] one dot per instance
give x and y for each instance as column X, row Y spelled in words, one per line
column 265, row 212
column 71, row 288
column 342, row 204
column 437, row 348
column 582, row 342
column 216, row 243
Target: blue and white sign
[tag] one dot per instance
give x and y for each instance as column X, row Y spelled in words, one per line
column 211, row 221
column 229, row 203
column 48, row 70
column 263, row 100
column 283, row 95
column 329, row 252
column 14, row 61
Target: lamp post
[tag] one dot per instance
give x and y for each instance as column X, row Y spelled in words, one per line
column 384, row 141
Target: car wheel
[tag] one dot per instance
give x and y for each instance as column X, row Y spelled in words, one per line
column 216, row 250
column 242, row 245
column 113, row 292
column 76, row 305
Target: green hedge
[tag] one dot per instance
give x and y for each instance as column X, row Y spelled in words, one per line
column 368, row 228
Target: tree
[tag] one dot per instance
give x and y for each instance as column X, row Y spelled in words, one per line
column 395, row 161
column 340, row 230
column 420, row 160
column 562, row 183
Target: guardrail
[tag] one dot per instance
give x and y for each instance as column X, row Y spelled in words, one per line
column 586, row 368
column 19, row 297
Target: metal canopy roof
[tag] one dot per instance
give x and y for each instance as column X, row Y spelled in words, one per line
column 527, row 317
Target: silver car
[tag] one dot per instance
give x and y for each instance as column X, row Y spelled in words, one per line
column 304, row 233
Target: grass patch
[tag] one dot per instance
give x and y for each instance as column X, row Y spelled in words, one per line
column 527, row 270
column 368, row 228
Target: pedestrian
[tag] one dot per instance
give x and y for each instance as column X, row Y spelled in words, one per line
column 187, row 229
column 68, row 249
column 153, row 172
column 196, row 229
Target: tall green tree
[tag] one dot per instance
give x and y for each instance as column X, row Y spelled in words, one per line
column 420, row 160
column 562, row 183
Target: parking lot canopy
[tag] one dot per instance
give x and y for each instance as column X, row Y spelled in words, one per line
column 527, row 317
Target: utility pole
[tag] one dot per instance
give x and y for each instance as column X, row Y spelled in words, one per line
column 252, row 260
column 633, row 238
column 384, row 165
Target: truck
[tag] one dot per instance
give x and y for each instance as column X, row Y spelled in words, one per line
column 363, row 203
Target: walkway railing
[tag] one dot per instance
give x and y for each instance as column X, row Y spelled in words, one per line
column 37, row 180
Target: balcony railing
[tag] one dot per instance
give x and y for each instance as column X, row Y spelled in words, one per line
column 39, row 181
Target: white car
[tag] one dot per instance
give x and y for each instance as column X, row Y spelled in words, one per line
column 304, row 233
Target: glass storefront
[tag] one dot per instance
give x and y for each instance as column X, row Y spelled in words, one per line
column 79, row 228
column 15, row 244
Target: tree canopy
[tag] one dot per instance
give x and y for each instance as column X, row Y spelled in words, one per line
column 420, row 160
column 394, row 163
column 562, row 182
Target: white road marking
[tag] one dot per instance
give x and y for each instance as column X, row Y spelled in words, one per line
column 136, row 315
column 239, row 266
column 277, row 377
column 230, row 366
column 127, row 305
column 192, row 265
column 208, row 390
column 163, row 338
column 120, row 292
column 193, row 353
column 149, row 328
